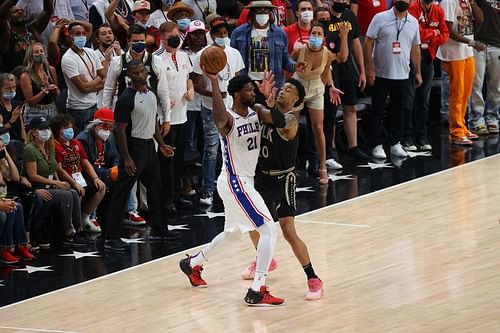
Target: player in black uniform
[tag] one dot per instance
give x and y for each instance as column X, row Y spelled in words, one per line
column 275, row 178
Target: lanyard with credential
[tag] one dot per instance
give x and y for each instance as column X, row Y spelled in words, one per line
column 399, row 27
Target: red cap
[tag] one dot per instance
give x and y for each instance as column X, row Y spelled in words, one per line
column 104, row 115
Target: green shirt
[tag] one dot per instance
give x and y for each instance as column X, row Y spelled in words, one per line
column 44, row 168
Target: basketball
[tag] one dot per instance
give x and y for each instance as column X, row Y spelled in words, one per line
column 213, row 59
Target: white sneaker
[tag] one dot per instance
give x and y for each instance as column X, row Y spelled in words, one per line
column 378, row 152
column 398, row 151
column 332, row 164
column 93, row 226
column 206, row 198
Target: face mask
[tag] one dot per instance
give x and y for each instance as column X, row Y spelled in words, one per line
column 2, row 154
column 138, row 47
column 80, row 41
column 9, row 95
column 5, row 138
column 401, row 6
column 68, row 133
column 174, row 42
column 44, row 135
column 167, row 2
column 39, row 59
column 315, row 42
column 262, row 19
column 222, row 41
column 339, row 7
column 183, row 24
column 325, row 24
column 139, row 23
column 106, row 45
column 103, row 134
column 306, row 16
column 428, row 1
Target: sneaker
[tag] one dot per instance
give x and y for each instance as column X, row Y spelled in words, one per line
column 378, row 152
column 24, row 253
column 206, row 198
column 355, row 153
column 332, row 164
column 249, row 272
column 480, row 130
column 493, row 129
column 93, row 226
column 315, row 289
column 398, row 151
column 409, row 146
column 423, row 145
column 262, row 298
column 472, row 136
column 193, row 273
column 116, row 245
column 165, row 236
column 7, row 257
column 181, row 203
column 134, row 218
column 461, row 141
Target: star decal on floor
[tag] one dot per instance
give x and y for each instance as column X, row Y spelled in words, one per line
column 34, row 269
column 376, row 165
column 133, row 240
column 304, row 189
column 334, row 178
column 178, row 227
column 211, row 215
column 79, row 255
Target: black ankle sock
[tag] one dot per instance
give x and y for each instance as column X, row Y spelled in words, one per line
column 309, row 271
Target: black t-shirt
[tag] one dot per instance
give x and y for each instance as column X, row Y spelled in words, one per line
column 346, row 70
column 489, row 31
column 15, row 130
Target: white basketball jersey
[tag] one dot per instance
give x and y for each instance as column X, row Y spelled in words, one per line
column 240, row 148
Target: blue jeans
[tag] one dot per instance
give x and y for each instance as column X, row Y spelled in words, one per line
column 13, row 230
column 210, row 150
column 445, row 92
column 82, row 117
column 192, row 130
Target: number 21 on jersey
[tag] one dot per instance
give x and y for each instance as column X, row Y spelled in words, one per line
column 252, row 143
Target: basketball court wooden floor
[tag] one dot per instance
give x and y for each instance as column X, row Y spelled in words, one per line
column 418, row 257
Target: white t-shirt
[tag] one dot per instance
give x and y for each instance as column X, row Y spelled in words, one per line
column 259, row 54
column 101, row 56
column 195, row 104
column 177, row 77
column 157, row 18
column 85, row 66
column 460, row 13
column 384, row 27
column 233, row 66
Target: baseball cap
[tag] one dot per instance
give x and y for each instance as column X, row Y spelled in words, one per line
column 218, row 22
column 39, row 123
column 3, row 130
column 196, row 25
column 141, row 5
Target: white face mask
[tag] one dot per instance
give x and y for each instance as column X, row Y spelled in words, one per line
column 103, row 134
column 44, row 135
column 262, row 19
column 306, row 16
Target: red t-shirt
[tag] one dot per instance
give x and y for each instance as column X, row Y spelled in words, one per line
column 70, row 156
column 367, row 10
column 296, row 37
column 281, row 13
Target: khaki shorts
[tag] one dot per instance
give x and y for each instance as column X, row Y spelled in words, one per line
column 315, row 91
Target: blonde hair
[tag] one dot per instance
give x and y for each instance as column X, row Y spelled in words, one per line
column 33, row 137
column 30, row 65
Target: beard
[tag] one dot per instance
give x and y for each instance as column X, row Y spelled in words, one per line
column 248, row 103
column 19, row 23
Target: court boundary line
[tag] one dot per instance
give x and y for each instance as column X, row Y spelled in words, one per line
column 37, row 329
column 301, row 215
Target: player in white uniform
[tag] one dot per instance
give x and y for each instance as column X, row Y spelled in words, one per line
column 245, row 209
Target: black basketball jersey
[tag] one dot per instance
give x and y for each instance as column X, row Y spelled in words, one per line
column 276, row 152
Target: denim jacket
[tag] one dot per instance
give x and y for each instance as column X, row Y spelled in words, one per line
column 278, row 50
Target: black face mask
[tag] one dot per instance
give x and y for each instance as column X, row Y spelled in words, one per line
column 325, row 24
column 174, row 42
column 401, row 6
column 339, row 7
column 2, row 154
column 106, row 45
